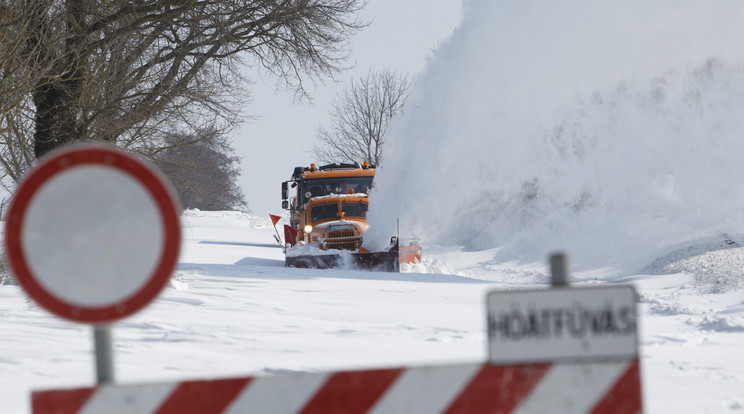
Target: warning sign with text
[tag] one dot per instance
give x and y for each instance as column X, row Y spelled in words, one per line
column 562, row 323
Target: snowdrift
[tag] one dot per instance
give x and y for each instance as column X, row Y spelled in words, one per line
column 611, row 130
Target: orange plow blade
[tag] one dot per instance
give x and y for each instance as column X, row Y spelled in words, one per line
column 410, row 254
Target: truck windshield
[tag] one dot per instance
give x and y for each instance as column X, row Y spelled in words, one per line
column 327, row 186
column 328, row 211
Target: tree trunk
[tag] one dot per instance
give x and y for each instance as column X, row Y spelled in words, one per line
column 53, row 124
column 57, row 98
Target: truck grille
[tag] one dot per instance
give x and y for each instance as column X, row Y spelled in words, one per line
column 340, row 234
column 341, row 239
column 343, row 244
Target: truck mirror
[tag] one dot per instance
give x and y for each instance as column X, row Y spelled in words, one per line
column 284, row 191
column 285, row 204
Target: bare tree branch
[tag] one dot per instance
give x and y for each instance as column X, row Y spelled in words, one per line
column 360, row 119
column 129, row 72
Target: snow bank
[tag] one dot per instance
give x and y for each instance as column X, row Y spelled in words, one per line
column 611, row 130
column 218, row 216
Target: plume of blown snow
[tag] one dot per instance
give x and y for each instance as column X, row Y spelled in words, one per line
column 610, row 130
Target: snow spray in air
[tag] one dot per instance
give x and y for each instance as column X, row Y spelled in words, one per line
column 611, row 130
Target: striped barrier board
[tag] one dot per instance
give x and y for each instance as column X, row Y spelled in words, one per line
column 609, row 386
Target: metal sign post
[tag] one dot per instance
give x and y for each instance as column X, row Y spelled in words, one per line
column 104, row 354
column 559, row 269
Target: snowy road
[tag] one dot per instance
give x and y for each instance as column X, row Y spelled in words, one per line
column 232, row 309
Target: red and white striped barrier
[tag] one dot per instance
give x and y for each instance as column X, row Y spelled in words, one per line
column 598, row 387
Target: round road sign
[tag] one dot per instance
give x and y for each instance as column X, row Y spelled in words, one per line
column 92, row 234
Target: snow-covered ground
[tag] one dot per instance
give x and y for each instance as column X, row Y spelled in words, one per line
column 232, row 309
column 609, row 129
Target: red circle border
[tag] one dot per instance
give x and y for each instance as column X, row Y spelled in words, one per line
column 154, row 185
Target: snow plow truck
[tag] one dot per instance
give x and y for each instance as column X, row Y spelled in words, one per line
column 328, row 218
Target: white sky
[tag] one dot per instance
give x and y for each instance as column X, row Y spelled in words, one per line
column 401, row 37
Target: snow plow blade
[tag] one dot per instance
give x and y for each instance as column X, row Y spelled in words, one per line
column 388, row 261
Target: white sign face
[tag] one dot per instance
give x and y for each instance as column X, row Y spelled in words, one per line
column 562, row 324
column 92, row 234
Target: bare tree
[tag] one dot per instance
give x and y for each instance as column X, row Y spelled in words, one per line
column 16, row 150
column 360, row 119
column 203, row 169
column 128, row 72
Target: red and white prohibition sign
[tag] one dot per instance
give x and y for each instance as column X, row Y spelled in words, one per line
column 92, row 234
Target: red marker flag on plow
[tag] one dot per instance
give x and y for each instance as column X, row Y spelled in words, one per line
column 274, row 220
column 290, row 235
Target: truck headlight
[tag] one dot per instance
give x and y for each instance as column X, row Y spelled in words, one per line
column 308, row 229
